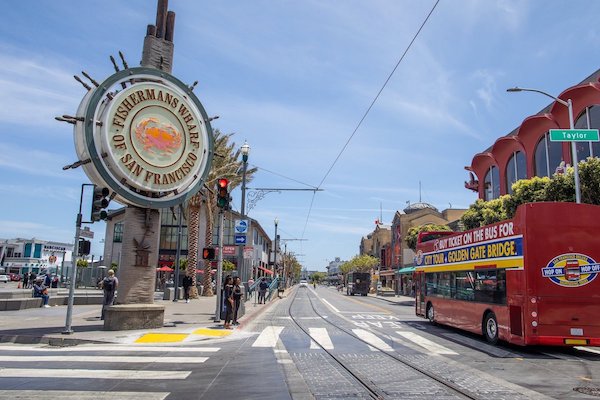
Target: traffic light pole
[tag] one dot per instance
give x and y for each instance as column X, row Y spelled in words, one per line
column 68, row 329
column 218, row 284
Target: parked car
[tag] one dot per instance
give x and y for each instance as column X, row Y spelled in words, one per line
column 14, row 277
column 4, row 278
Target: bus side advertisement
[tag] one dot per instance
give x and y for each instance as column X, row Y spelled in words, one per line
column 530, row 280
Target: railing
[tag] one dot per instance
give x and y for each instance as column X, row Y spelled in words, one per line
column 272, row 288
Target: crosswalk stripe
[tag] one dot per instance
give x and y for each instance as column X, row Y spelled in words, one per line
column 92, row 373
column 77, row 395
column 372, row 339
column 268, row 337
column 135, row 348
column 102, row 359
column 583, row 348
column 321, row 336
column 426, row 343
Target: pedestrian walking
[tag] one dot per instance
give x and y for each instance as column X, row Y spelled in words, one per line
column 32, row 279
column 250, row 283
column 25, row 280
column 262, row 290
column 187, row 283
column 228, row 301
column 237, row 298
column 109, row 287
column 40, row 290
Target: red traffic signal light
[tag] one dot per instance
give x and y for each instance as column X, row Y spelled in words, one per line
column 223, row 193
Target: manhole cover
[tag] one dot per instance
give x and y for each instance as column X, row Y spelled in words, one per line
column 588, row 390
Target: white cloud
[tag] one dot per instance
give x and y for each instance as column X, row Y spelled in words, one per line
column 34, row 91
column 32, row 161
column 27, row 229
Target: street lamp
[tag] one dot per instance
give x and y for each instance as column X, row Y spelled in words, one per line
column 245, row 151
column 569, row 105
column 275, row 247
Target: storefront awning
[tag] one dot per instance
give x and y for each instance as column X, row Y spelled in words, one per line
column 406, row 270
column 268, row 271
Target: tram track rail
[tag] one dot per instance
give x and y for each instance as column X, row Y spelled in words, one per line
column 370, row 387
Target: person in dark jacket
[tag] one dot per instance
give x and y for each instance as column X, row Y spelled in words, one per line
column 109, row 287
column 228, row 301
column 237, row 298
column 262, row 290
column 187, row 283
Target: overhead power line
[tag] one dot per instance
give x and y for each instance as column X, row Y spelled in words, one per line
column 367, row 111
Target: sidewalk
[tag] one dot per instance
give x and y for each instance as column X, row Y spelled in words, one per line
column 397, row 299
column 183, row 323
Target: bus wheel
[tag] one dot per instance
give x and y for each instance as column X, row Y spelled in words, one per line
column 490, row 328
column 430, row 313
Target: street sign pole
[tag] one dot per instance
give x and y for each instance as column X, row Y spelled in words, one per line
column 574, row 155
column 218, row 284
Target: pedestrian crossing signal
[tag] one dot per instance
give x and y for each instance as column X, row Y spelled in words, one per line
column 208, row 253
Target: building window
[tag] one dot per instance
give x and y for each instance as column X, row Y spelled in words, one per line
column 548, row 156
column 492, row 184
column 589, row 119
column 515, row 169
column 118, row 233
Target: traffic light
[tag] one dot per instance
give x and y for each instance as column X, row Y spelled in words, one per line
column 223, row 194
column 208, row 253
column 84, row 247
column 99, row 203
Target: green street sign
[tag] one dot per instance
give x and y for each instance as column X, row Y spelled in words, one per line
column 574, row 135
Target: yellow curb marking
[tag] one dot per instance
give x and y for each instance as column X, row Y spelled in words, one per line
column 212, row 332
column 162, row 338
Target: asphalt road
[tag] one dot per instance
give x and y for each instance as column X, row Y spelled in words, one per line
column 273, row 358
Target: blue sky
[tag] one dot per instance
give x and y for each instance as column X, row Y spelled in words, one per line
column 293, row 78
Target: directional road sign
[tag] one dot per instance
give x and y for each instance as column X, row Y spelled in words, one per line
column 574, row 135
column 240, row 239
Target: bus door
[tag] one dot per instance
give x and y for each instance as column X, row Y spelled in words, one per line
column 419, row 280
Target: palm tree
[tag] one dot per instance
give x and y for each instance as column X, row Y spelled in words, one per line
column 226, row 164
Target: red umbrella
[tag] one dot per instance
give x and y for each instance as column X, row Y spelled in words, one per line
column 165, row 269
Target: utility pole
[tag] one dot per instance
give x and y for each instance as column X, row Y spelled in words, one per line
column 218, row 285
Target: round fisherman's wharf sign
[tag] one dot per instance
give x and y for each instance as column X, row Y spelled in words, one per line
column 150, row 140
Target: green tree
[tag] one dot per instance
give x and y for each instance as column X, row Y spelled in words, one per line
column 228, row 266
column 526, row 191
column 589, row 178
column 413, row 233
column 360, row 263
column 81, row 263
column 228, row 164
column 318, row 276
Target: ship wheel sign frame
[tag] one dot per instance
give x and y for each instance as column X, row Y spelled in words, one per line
column 146, row 136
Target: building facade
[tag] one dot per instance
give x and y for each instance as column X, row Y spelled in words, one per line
column 19, row 256
column 376, row 244
column 334, row 275
column 256, row 254
column 402, row 256
column 527, row 151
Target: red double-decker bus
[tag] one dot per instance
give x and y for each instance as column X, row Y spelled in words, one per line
column 531, row 280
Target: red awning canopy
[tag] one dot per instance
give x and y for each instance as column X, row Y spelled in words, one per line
column 164, row 269
column 201, row 271
column 268, row 271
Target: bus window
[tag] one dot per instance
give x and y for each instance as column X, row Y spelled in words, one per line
column 465, row 285
column 490, row 286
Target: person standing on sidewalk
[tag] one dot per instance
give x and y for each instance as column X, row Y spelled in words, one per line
column 237, row 298
column 109, row 287
column 228, row 301
column 25, row 280
column 262, row 291
column 187, row 283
